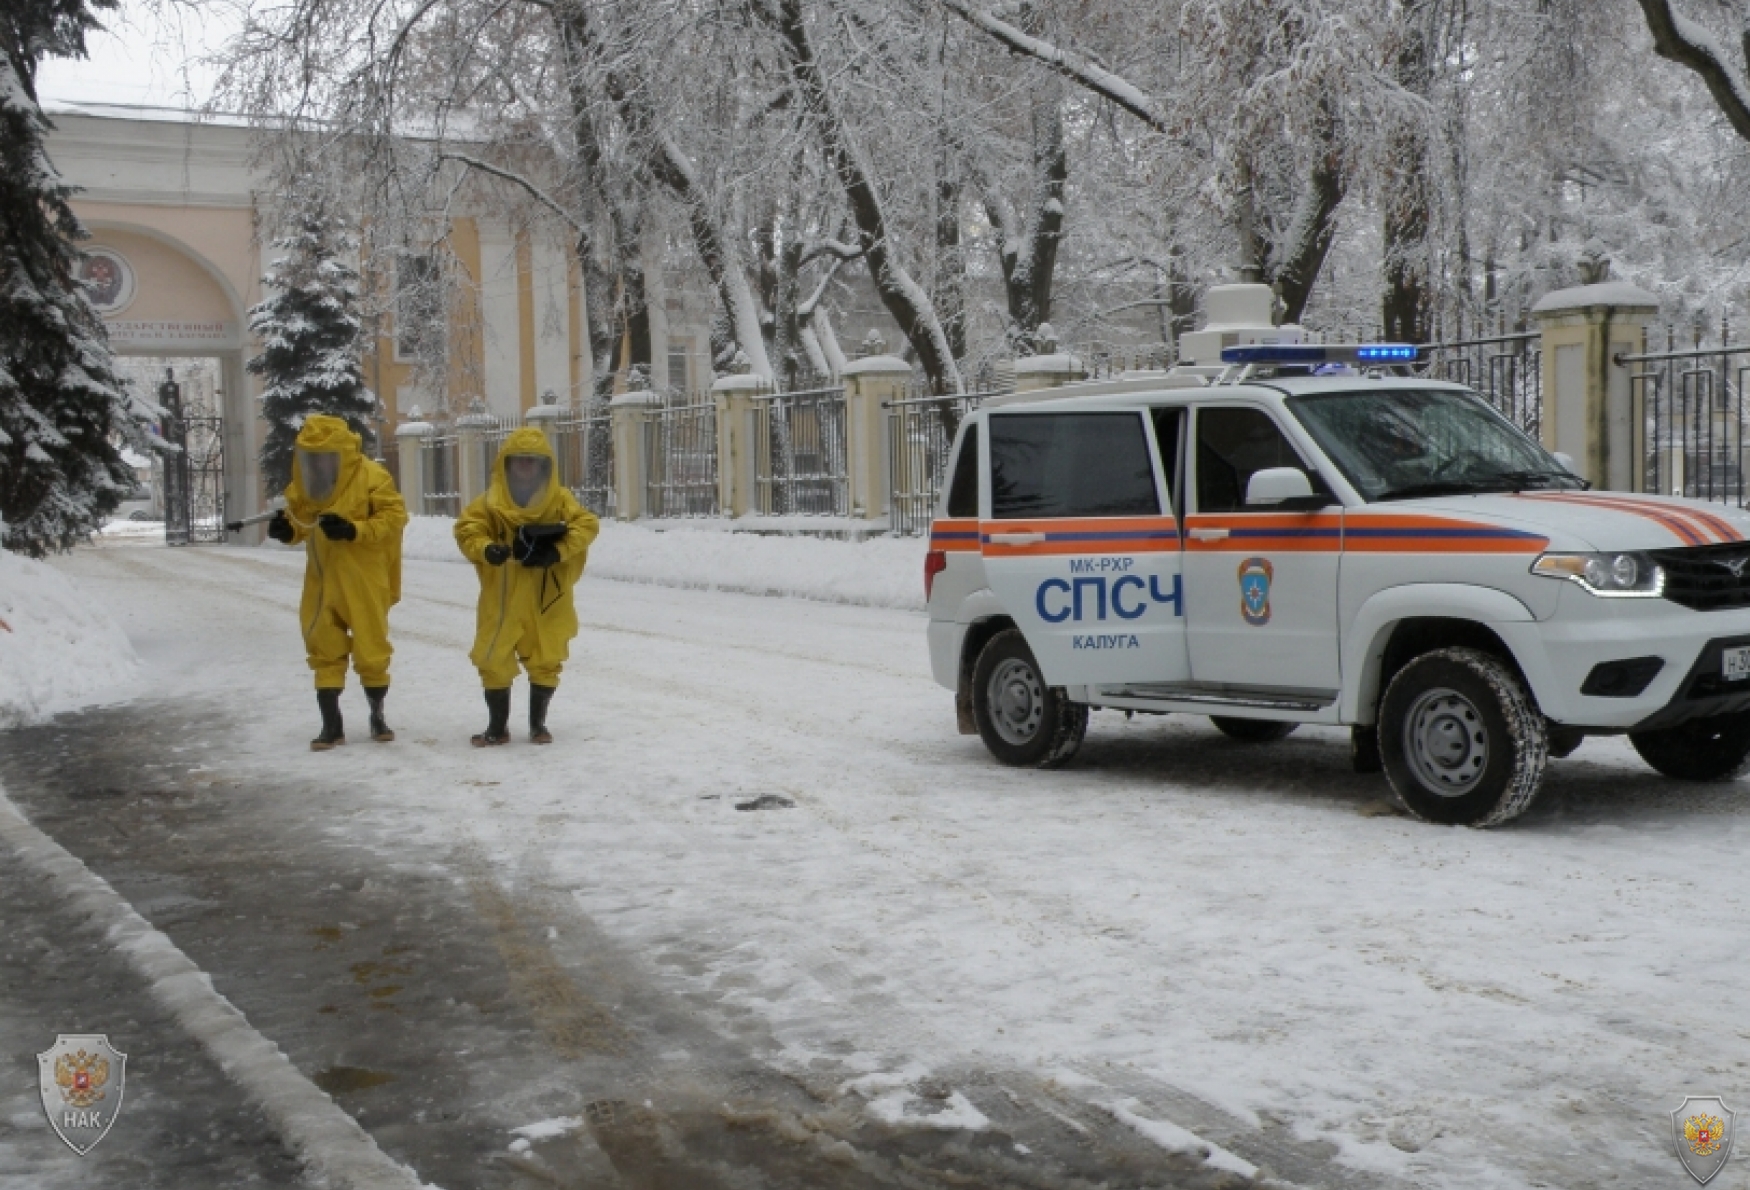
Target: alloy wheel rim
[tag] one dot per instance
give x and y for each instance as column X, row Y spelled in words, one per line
column 1017, row 701
column 1446, row 742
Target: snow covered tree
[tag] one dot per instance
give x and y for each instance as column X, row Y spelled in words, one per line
column 62, row 407
column 310, row 337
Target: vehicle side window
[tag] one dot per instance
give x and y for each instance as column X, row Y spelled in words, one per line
column 963, row 491
column 1232, row 445
column 1070, row 465
column 1167, row 422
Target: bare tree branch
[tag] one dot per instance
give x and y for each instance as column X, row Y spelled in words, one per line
column 1680, row 40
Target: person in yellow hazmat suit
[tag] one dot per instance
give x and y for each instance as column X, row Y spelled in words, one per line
column 528, row 539
column 346, row 511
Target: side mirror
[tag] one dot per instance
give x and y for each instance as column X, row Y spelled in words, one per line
column 1566, row 462
column 1279, row 487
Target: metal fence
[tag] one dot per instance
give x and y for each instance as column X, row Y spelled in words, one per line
column 584, row 443
column 680, row 461
column 1104, row 361
column 443, row 483
column 1690, row 406
column 1506, row 369
column 801, row 440
column 920, row 433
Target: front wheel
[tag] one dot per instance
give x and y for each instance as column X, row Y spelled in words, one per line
column 1463, row 743
column 1716, row 748
column 1023, row 721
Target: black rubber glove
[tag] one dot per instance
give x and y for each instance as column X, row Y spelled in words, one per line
column 495, row 554
column 541, row 556
column 280, row 529
column 338, row 528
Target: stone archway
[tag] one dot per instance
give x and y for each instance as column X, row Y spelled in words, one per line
column 164, row 299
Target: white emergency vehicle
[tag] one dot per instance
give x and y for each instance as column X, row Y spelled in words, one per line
column 1365, row 549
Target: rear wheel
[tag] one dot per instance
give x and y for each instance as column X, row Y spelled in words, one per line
column 1463, row 743
column 1253, row 731
column 1713, row 749
column 1023, row 721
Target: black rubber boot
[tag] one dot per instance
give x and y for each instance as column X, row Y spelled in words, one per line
column 380, row 729
column 539, row 697
column 333, row 730
column 498, row 720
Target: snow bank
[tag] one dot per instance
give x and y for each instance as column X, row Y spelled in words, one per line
column 58, row 651
column 880, row 572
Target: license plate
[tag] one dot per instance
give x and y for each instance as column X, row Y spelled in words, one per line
column 1735, row 663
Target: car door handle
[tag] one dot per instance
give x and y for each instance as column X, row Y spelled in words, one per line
column 1016, row 538
column 1208, row 534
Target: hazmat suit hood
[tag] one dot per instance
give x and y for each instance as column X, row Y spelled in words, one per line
column 327, row 470
column 514, row 498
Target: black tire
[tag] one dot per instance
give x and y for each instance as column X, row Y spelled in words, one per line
column 1023, row 721
column 1716, row 748
column 1462, row 741
column 1253, row 731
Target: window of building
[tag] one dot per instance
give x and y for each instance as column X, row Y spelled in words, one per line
column 419, row 308
column 679, row 378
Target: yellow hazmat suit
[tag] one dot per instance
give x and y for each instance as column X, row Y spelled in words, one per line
column 526, row 613
column 349, row 586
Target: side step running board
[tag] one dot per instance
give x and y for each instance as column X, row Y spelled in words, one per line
column 1264, row 699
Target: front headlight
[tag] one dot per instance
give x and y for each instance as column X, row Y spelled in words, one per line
column 1621, row 576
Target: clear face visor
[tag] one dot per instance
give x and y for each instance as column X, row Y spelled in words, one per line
column 526, row 476
column 318, row 470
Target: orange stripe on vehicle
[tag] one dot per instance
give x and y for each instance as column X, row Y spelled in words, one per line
column 954, row 536
column 1082, row 535
column 1364, row 534
column 1282, row 533
column 1691, row 527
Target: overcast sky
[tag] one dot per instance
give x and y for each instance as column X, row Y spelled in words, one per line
column 150, row 54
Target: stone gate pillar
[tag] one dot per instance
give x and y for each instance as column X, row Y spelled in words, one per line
column 738, row 445
column 410, row 445
column 630, row 414
column 870, row 382
column 1588, row 409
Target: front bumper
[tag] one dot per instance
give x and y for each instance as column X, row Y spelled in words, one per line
column 1559, row 653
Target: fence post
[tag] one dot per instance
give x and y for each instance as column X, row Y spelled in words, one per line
column 869, row 382
column 545, row 418
column 737, row 445
column 410, row 445
column 472, row 475
column 631, row 418
column 1035, row 372
column 1588, row 408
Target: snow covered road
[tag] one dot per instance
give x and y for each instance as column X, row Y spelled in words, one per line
column 763, row 806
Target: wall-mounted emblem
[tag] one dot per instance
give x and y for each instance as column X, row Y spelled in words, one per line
column 1702, row 1127
column 1255, row 576
column 81, row 1078
column 108, row 279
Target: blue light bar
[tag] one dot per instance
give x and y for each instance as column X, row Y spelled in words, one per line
column 1320, row 353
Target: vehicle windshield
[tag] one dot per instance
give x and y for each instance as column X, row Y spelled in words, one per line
column 1396, row 444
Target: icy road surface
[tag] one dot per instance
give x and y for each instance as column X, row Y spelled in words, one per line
column 761, row 909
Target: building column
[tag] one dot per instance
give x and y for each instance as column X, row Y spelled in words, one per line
column 631, row 415
column 870, row 382
column 410, row 443
column 1588, row 410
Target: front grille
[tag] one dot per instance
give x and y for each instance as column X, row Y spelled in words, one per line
column 1707, row 578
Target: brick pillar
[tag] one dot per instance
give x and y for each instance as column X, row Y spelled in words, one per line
column 631, row 415
column 869, row 382
column 739, row 450
column 1589, row 412
column 410, row 444
column 1047, row 371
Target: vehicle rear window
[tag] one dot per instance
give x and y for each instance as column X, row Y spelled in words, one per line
column 963, row 491
column 1070, row 465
